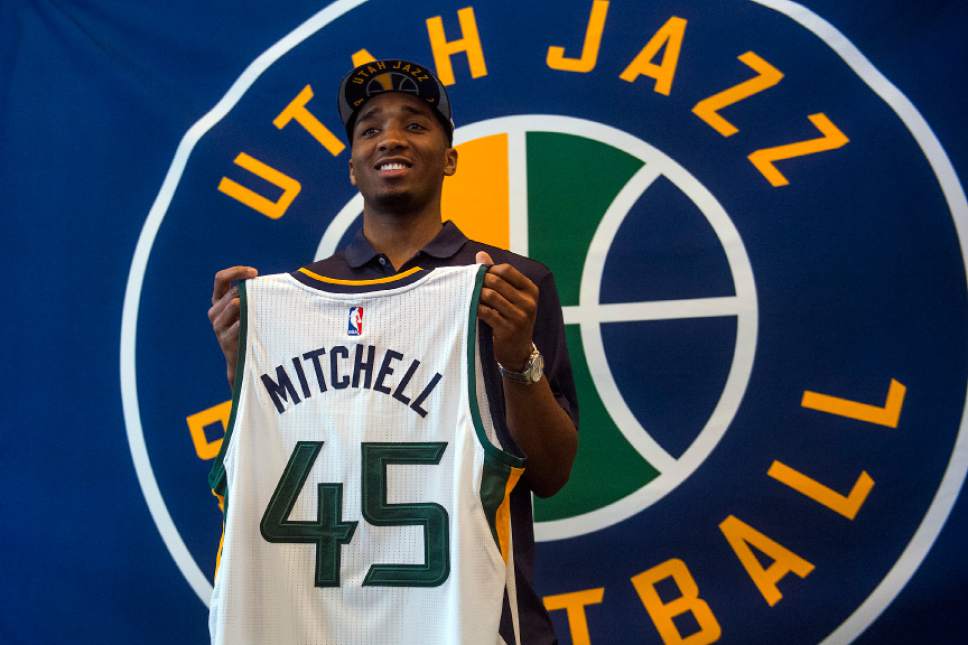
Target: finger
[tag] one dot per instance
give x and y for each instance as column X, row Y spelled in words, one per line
column 483, row 257
column 218, row 307
column 228, row 317
column 229, row 340
column 229, row 302
column 508, row 346
column 515, row 277
column 225, row 278
column 232, row 332
column 522, row 299
column 494, row 320
column 506, row 309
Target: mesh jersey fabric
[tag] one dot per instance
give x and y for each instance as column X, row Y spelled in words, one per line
column 365, row 494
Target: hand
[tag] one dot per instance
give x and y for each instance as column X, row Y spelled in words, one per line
column 509, row 304
column 224, row 313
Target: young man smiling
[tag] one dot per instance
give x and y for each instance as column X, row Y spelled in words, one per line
column 398, row 120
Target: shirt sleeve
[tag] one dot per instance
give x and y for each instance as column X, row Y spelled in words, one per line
column 549, row 336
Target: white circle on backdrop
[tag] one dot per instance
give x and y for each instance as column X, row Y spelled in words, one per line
column 951, row 187
column 590, row 313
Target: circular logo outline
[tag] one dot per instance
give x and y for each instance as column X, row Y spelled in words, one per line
column 954, row 195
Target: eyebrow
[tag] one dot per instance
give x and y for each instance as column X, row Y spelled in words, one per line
column 367, row 114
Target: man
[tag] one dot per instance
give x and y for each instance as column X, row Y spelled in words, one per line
column 398, row 120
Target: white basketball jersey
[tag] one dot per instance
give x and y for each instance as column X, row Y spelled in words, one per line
column 364, row 492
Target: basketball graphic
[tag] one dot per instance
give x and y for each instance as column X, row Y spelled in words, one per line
column 750, row 244
column 627, row 169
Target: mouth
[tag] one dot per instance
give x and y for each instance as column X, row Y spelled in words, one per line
column 393, row 168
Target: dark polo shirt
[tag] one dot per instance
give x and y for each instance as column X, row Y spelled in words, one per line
column 358, row 260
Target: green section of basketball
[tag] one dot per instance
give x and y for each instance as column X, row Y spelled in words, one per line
column 607, row 468
column 571, row 183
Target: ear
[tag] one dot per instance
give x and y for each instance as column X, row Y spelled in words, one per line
column 352, row 173
column 450, row 162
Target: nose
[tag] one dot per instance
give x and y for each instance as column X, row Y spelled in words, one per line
column 392, row 139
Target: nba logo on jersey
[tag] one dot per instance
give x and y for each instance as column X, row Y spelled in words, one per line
column 355, row 327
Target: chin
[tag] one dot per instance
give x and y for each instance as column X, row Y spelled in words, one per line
column 395, row 201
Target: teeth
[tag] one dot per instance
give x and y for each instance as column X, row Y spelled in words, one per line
column 392, row 166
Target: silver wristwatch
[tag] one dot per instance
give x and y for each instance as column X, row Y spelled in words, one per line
column 532, row 371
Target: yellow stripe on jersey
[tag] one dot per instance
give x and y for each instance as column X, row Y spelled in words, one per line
column 218, row 556
column 221, row 540
column 502, row 518
column 360, row 283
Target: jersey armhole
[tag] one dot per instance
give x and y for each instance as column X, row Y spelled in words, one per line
column 493, row 454
column 501, row 469
column 216, row 476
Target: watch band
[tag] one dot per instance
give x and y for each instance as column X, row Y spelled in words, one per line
column 532, row 371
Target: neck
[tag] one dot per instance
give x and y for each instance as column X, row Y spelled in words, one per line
column 400, row 235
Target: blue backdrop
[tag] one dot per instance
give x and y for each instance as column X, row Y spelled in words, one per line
column 96, row 97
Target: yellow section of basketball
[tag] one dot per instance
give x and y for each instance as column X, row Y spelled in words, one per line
column 476, row 197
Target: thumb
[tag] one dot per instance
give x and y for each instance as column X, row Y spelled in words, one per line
column 483, row 257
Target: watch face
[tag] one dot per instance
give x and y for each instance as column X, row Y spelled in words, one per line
column 536, row 366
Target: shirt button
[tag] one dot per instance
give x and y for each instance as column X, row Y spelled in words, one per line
column 383, row 261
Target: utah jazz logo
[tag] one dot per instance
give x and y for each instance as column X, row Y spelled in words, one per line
column 771, row 413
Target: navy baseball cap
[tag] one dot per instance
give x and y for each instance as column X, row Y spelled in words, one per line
column 392, row 75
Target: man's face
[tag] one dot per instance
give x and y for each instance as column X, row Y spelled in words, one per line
column 400, row 153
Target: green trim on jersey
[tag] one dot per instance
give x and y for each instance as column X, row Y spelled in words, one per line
column 498, row 464
column 494, row 482
column 216, row 476
column 492, row 452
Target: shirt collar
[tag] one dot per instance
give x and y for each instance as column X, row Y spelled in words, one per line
column 446, row 244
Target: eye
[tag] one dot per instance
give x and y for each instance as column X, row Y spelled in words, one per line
column 368, row 132
column 416, row 126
